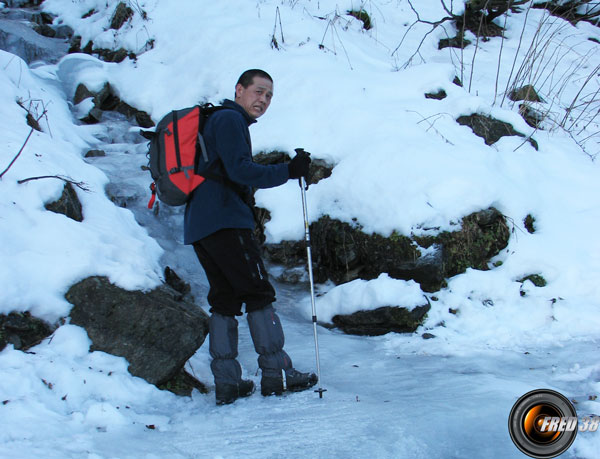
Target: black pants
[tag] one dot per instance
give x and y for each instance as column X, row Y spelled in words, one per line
column 235, row 271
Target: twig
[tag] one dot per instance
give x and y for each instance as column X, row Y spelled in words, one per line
column 431, row 125
column 434, row 24
column 18, row 154
column 500, row 55
column 80, row 185
column 31, row 124
column 274, row 43
column 516, row 55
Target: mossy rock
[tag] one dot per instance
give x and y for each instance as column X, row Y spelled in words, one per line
column 482, row 236
column 342, row 252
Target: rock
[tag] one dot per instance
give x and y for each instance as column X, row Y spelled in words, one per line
column 526, row 92
column 482, row 236
column 20, row 39
column 122, row 13
column 107, row 100
column 532, row 116
column 183, row 384
column 64, row 31
column 68, row 204
column 490, row 129
column 75, row 45
column 42, row 18
column 342, row 252
column 93, row 117
column 155, row 331
column 95, row 153
column 454, row 42
column 175, row 282
column 108, row 55
column 143, row 119
column 22, row 3
column 82, row 93
column 22, row 330
column 45, row 30
column 319, row 169
column 439, row 95
column 382, row 320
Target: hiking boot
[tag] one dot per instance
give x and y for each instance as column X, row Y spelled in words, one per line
column 229, row 393
column 271, row 385
column 295, row 381
column 246, row 388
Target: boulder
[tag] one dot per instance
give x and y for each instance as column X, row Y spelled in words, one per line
column 156, row 331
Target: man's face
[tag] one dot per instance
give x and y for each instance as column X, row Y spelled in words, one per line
column 256, row 98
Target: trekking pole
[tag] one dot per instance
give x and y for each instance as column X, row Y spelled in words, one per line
column 303, row 187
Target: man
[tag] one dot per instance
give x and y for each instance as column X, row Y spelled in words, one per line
column 219, row 222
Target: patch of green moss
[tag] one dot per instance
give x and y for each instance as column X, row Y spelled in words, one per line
column 482, row 236
column 536, row 279
column 529, row 223
column 362, row 16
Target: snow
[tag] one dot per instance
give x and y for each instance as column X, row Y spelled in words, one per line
column 402, row 164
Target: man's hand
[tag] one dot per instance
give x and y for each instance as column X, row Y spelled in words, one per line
column 298, row 166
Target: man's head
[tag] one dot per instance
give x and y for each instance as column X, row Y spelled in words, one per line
column 254, row 91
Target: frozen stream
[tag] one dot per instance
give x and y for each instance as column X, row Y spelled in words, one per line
column 389, row 396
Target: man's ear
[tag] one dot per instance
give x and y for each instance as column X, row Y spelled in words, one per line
column 238, row 90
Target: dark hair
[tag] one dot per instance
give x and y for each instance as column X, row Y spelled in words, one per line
column 247, row 77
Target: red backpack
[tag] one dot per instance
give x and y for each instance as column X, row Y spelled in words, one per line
column 173, row 154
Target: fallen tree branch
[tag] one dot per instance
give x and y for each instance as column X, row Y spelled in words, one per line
column 80, row 185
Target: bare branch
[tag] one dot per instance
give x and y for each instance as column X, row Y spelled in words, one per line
column 80, row 185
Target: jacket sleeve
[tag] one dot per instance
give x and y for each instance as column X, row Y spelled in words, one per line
column 234, row 149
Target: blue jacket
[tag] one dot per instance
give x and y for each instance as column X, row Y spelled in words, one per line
column 215, row 205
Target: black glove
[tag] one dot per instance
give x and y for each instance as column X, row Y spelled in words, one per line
column 298, row 166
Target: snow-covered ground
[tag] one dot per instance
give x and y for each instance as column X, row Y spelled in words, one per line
column 402, row 164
